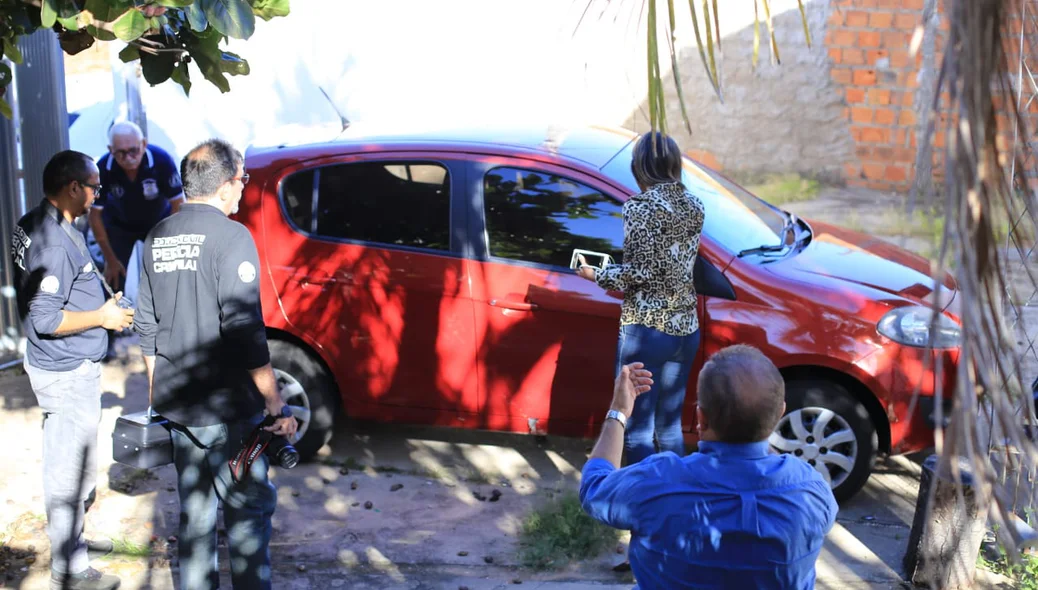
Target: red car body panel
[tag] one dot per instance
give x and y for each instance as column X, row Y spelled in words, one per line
column 472, row 341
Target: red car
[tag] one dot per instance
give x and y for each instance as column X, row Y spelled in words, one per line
column 425, row 279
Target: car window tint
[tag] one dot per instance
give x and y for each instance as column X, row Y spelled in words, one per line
column 399, row 203
column 297, row 194
column 540, row 217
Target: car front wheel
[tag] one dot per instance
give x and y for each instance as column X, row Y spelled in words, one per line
column 832, row 431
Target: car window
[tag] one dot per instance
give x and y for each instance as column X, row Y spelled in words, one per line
column 734, row 219
column 540, row 217
column 398, row 203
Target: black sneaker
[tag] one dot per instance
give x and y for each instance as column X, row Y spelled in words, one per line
column 90, row 579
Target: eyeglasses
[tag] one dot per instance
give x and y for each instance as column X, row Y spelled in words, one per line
column 96, row 187
column 127, row 152
column 244, row 178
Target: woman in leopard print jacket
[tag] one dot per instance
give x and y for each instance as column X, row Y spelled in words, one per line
column 658, row 323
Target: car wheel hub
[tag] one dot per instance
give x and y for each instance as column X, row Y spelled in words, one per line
column 820, row 437
column 295, row 396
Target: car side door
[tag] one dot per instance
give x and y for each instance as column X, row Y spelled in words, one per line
column 374, row 277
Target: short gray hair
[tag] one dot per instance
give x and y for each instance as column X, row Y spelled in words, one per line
column 741, row 394
column 124, row 128
column 207, row 167
column 656, row 159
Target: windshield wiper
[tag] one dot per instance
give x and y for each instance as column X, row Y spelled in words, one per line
column 789, row 226
column 762, row 249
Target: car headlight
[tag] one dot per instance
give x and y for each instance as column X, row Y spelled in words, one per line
column 910, row 326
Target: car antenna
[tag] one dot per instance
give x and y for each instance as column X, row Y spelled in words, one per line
column 342, row 118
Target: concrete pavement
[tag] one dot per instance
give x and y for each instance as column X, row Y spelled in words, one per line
column 431, row 533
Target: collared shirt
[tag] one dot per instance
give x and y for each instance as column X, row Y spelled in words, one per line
column 137, row 205
column 199, row 315
column 729, row 516
column 662, row 227
column 53, row 272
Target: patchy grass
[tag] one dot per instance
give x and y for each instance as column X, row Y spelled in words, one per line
column 562, row 532
column 1024, row 573
column 126, row 548
column 781, row 189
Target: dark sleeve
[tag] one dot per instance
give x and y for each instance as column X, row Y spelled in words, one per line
column 144, row 322
column 102, row 197
column 241, row 317
column 51, row 274
column 639, row 250
column 609, row 495
column 172, row 187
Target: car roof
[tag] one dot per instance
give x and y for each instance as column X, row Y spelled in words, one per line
column 592, row 145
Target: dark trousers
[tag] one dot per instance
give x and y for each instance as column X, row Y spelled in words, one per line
column 200, row 454
column 657, row 413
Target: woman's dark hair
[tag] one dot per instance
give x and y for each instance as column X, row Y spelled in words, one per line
column 207, row 167
column 65, row 168
column 656, row 159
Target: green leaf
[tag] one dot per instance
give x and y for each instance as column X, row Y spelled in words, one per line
column 130, row 53
column 130, row 26
column 5, row 109
column 12, row 52
column 100, row 34
column 196, row 17
column 157, row 68
column 71, row 24
column 233, row 64
column 48, row 13
column 205, row 51
column 268, row 9
column 174, row 3
column 233, row 18
column 106, row 10
column 5, row 75
column 181, row 75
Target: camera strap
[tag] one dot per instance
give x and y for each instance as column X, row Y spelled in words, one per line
column 241, row 463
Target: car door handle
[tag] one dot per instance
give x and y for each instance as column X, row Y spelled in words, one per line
column 516, row 305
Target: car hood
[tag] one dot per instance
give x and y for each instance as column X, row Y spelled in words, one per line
column 872, row 262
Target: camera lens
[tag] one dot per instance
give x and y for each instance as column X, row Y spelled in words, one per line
column 288, row 457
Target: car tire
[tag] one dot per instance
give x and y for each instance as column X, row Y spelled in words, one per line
column 308, row 388
column 848, row 447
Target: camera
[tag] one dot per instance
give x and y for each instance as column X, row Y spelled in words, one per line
column 280, row 452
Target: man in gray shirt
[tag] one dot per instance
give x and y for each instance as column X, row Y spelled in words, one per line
column 64, row 318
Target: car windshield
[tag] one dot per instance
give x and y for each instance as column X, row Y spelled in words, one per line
column 735, row 219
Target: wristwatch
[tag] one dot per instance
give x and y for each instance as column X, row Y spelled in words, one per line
column 618, row 416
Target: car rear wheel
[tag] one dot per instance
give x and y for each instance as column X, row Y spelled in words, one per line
column 308, row 390
column 832, row 431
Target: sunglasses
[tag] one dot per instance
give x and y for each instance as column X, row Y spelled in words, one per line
column 244, row 178
column 127, row 152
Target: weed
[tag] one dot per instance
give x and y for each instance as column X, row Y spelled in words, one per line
column 560, row 532
column 127, row 548
column 1024, row 572
column 786, row 188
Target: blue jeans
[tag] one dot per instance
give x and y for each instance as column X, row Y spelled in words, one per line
column 200, row 454
column 658, row 411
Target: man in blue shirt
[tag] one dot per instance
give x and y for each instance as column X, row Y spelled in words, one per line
column 729, row 516
column 141, row 187
column 64, row 316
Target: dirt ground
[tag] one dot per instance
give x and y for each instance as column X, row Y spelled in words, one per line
column 430, row 533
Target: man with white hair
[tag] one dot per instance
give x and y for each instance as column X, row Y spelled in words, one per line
column 141, row 186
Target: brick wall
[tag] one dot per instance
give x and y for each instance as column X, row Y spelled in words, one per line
column 869, row 42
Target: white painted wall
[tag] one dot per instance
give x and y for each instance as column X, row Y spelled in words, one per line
column 416, row 63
